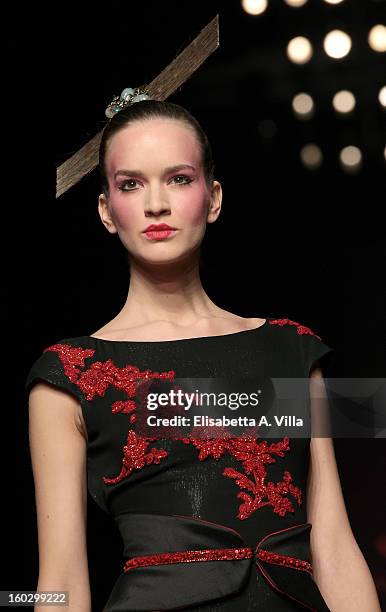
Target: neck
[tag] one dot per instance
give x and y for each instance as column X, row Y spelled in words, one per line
column 171, row 293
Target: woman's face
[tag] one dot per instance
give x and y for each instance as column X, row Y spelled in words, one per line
column 148, row 186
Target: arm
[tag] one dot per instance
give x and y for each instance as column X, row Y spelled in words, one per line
column 340, row 569
column 58, row 454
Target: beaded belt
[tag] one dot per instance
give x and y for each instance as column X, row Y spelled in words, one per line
column 217, row 554
column 162, row 550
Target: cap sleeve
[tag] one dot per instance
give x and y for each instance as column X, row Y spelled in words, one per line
column 54, row 366
column 315, row 350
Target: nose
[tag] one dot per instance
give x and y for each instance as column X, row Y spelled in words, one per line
column 156, row 204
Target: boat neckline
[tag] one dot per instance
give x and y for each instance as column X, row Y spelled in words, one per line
column 195, row 338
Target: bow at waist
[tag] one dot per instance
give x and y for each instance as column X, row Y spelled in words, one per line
column 176, row 561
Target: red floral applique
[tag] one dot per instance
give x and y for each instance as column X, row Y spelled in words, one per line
column 71, row 357
column 301, row 329
column 253, row 456
column 95, row 380
column 135, row 456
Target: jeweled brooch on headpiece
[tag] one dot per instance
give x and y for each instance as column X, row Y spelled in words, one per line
column 127, row 97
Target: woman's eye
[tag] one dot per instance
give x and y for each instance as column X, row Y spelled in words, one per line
column 183, row 176
column 121, row 186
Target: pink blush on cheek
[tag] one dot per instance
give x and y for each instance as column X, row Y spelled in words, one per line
column 194, row 209
column 197, row 215
column 123, row 215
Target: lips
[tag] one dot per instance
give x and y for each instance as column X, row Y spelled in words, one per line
column 159, row 232
column 157, row 228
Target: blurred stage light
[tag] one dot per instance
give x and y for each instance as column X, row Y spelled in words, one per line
column 299, row 50
column 350, row 158
column 337, row 44
column 254, row 7
column 311, row 156
column 303, row 106
column 377, row 38
column 344, row 101
column 295, row 3
column 333, row 1
column 382, row 96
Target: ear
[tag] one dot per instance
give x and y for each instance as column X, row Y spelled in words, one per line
column 215, row 200
column 105, row 215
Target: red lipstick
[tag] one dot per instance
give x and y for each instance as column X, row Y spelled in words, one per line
column 159, row 231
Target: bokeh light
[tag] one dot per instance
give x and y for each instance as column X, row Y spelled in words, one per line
column 337, row 44
column 299, row 50
column 377, row 38
column 295, row 3
column 254, row 7
column 382, row 96
column 303, row 106
column 350, row 158
column 344, row 101
column 311, row 156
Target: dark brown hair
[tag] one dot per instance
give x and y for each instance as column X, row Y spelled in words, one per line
column 149, row 109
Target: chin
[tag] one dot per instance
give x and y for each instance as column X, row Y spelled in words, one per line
column 166, row 258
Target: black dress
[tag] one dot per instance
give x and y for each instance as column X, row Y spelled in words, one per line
column 215, row 525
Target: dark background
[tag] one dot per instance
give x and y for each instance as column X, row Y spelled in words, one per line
column 290, row 242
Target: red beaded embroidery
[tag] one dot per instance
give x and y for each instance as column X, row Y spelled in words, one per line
column 95, row 381
column 253, row 455
column 188, row 556
column 103, row 374
column 216, row 554
column 301, row 329
column 276, row 558
column 135, row 456
column 71, row 357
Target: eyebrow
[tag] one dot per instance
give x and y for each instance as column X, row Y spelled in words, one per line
column 166, row 171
